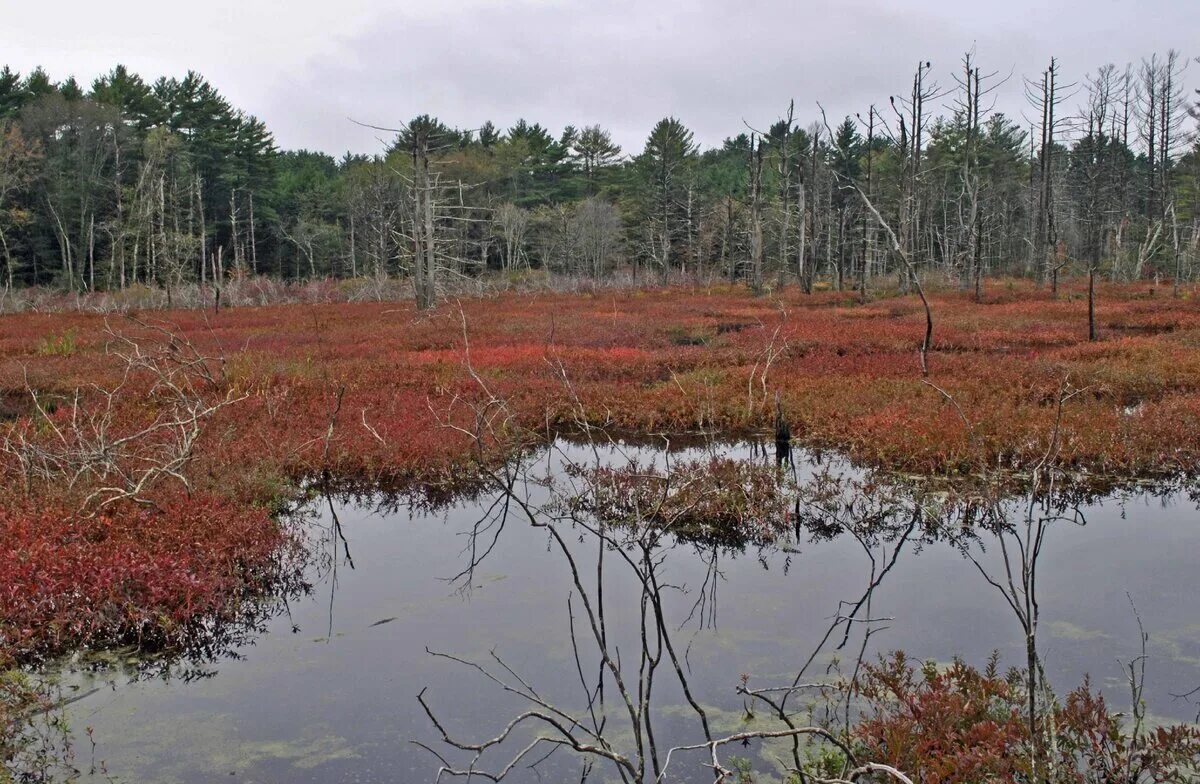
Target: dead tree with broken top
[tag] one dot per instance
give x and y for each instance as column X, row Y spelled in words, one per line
column 900, row 250
column 973, row 89
column 912, row 119
column 867, row 227
column 420, row 138
column 755, row 166
column 429, row 209
column 1045, row 96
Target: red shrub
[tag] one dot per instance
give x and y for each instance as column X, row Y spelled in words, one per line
column 670, row 359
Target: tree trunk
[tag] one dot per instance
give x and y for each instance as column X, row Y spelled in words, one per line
column 1091, row 303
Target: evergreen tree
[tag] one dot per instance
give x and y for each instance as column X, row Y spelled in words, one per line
column 593, row 152
column 664, row 187
column 12, row 92
column 132, row 97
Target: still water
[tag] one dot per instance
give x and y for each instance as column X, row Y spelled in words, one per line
column 327, row 691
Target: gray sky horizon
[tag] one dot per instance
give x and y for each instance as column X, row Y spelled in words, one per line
column 307, row 67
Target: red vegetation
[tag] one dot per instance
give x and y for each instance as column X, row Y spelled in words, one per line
column 644, row 361
column 134, row 574
column 954, row 725
column 959, row 725
column 714, row 500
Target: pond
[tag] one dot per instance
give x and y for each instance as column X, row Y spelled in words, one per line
column 328, row 690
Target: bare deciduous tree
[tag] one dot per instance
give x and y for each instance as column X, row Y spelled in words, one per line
column 511, row 224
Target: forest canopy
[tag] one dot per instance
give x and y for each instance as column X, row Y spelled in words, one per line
column 166, row 183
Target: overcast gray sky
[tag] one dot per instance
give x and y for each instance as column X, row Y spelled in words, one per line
column 305, row 66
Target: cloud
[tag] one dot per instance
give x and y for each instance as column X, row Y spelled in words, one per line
column 712, row 63
column 625, row 64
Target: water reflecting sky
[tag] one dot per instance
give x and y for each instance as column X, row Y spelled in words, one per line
column 328, row 692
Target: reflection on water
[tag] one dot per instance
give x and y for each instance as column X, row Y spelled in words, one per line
column 328, row 690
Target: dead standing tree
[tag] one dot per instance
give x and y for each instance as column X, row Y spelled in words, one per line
column 779, row 141
column 900, row 248
column 511, row 223
column 419, row 138
column 912, row 119
column 1099, row 174
column 430, row 209
column 755, row 168
column 782, row 140
column 1045, row 96
column 806, row 210
column 867, row 228
column 974, row 88
column 1161, row 111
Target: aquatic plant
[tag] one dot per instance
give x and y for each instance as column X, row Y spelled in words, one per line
column 715, row 499
column 34, row 738
column 958, row 724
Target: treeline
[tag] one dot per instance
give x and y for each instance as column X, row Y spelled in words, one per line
column 165, row 184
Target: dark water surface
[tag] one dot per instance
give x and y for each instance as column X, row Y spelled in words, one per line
column 328, row 692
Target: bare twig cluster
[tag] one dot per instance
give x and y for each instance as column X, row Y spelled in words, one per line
column 95, row 443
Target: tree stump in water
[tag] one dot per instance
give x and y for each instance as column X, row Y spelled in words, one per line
column 783, row 435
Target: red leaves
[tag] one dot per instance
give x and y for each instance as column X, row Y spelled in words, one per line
column 959, row 725
column 1111, row 752
column 644, row 361
column 953, row 725
column 131, row 574
column 849, row 378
